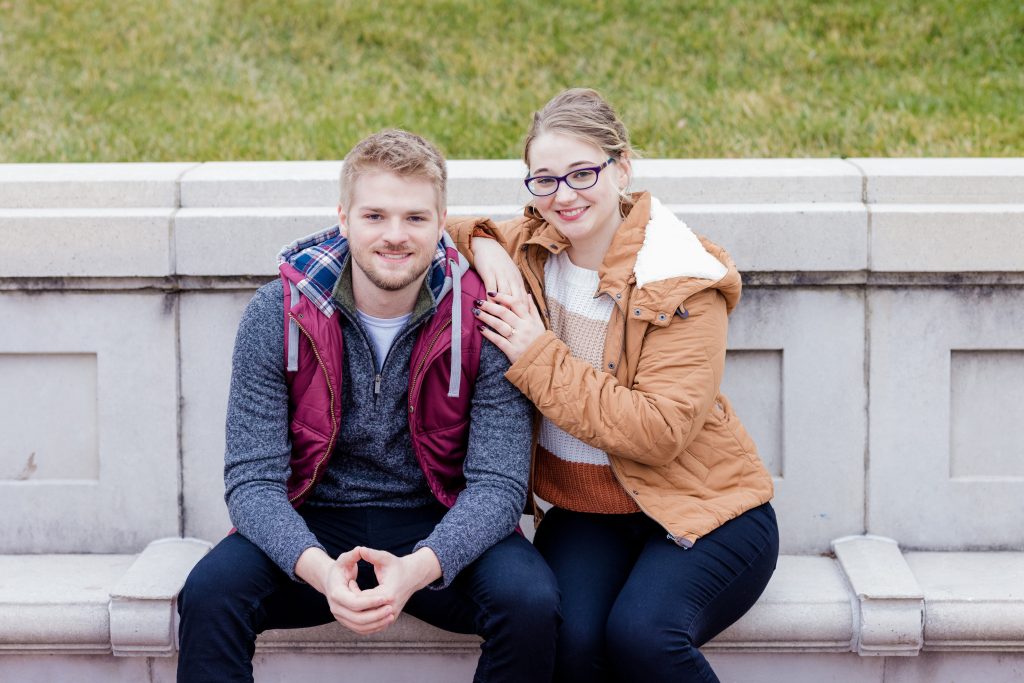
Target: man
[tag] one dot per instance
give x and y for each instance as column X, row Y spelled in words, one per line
column 376, row 457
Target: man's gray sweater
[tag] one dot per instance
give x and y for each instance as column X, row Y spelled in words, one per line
column 373, row 463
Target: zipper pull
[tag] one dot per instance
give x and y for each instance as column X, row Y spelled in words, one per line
column 376, row 385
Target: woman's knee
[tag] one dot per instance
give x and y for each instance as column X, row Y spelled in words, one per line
column 637, row 640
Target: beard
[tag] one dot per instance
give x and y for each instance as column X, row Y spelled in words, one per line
column 391, row 281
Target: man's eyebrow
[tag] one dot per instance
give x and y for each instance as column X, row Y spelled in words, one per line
column 571, row 166
column 410, row 212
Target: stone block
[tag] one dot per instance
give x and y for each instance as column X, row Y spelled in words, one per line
column 241, row 241
column 94, row 242
column 974, row 601
column 947, row 238
column 208, row 325
column 90, row 186
column 943, row 181
column 954, row 667
column 143, row 602
column 120, row 488
column 980, row 443
column 749, row 181
column 753, row 380
column 488, row 183
column 818, row 667
column 65, row 384
column 366, row 666
column 890, row 602
column 78, row 668
column 51, row 604
column 926, row 345
column 407, row 635
column 261, row 184
column 814, row 442
column 784, row 237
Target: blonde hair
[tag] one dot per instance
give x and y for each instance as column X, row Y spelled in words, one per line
column 583, row 114
column 395, row 151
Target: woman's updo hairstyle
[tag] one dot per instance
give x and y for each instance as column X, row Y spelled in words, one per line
column 582, row 113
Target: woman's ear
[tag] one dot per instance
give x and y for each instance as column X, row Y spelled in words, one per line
column 625, row 168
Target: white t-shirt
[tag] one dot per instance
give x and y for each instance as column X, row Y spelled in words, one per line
column 382, row 333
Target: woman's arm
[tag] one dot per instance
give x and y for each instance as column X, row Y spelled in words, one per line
column 486, row 246
column 653, row 421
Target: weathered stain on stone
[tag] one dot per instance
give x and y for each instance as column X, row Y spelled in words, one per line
column 29, row 469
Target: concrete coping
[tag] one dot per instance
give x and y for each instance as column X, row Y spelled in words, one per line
column 927, row 181
column 38, row 186
column 498, row 182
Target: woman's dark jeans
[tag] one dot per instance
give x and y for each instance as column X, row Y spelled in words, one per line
column 507, row 596
column 635, row 606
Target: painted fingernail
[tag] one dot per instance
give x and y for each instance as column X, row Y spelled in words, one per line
column 492, row 294
column 476, row 311
column 478, row 302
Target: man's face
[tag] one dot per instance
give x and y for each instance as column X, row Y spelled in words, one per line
column 392, row 228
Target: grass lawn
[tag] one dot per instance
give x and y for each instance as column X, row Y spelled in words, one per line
column 202, row 80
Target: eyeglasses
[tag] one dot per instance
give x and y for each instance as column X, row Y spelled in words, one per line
column 577, row 179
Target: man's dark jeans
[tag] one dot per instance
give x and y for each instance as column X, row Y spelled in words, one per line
column 507, row 596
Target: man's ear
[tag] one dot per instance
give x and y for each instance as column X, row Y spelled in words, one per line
column 441, row 224
column 341, row 222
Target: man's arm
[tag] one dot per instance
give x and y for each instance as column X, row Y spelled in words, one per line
column 497, row 468
column 257, row 454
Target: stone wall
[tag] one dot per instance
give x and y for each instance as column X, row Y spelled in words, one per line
column 877, row 357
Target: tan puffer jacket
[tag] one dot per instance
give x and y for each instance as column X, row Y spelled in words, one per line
column 672, row 438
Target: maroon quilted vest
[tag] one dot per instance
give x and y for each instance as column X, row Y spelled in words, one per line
column 438, row 423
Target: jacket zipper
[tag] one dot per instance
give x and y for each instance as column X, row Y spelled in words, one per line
column 334, row 423
column 423, row 360
column 678, row 540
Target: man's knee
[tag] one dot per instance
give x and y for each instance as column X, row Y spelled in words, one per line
column 521, row 586
column 219, row 579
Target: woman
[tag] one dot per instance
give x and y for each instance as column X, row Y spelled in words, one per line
column 660, row 532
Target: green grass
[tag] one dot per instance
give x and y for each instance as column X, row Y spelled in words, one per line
column 203, row 80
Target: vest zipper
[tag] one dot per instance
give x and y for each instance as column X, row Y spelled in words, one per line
column 423, row 360
column 334, row 423
column 376, row 385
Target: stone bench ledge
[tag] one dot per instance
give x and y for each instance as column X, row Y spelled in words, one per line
column 870, row 599
column 57, row 604
column 974, row 601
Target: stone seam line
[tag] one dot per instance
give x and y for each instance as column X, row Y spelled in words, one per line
column 173, row 265
column 867, row 344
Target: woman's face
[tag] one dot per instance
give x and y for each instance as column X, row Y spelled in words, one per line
column 580, row 215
